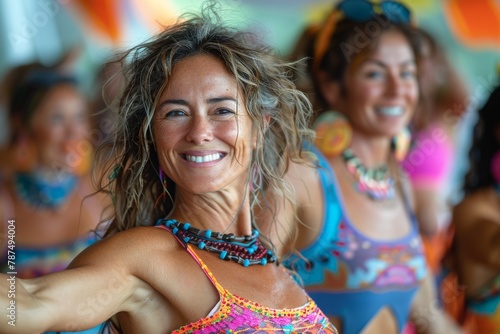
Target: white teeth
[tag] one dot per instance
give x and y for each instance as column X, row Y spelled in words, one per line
column 391, row 111
column 203, row 158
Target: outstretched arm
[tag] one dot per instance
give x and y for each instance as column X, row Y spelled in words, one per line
column 95, row 288
column 427, row 315
column 427, row 209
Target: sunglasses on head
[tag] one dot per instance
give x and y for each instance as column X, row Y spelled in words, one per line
column 364, row 10
column 358, row 11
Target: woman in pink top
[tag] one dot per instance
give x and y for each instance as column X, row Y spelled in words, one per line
column 429, row 163
column 206, row 123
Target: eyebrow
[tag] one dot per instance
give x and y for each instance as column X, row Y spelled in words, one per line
column 379, row 63
column 185, row 103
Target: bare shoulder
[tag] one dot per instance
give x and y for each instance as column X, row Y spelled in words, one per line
column 303, row 175
column 149, row 255
column 481, row 205
column 127, row 268
column 130, row 248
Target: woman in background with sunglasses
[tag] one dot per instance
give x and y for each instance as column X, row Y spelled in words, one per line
column 359, row 255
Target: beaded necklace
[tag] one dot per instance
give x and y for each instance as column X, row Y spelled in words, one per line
column 374, row 182
column 246, row 250
column 41, row 192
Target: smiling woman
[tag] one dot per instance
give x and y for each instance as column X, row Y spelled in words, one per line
column 45, row 180
column 208, row 121
column 352, row 236
column 204, row 129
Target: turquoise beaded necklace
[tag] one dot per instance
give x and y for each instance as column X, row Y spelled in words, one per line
column 245, row 250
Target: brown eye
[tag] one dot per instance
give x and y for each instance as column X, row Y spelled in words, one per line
column 224, row 111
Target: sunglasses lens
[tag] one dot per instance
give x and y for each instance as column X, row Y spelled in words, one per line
column 362, row 10
column 356, row 10
column 395, row 12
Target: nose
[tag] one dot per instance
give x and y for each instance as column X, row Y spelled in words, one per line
column 395, row 85
column 200, row 130
column 75, row 130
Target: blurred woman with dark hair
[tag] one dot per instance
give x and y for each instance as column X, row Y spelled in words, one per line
column 46, row 184
column 476, row 219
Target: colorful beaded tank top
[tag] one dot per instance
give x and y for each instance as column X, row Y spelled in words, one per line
column 239, row 315
column 351, row 276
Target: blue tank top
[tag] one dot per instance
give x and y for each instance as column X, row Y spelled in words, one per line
column 351, row 276
column 34, row 262
column 488, row 300
column 31, row 262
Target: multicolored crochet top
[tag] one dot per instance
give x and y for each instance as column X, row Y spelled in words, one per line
column 239, row 315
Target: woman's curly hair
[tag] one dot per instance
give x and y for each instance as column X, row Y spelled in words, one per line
column 132, row 175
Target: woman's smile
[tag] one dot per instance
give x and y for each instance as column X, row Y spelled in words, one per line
column 202, row 129
column 200, row 158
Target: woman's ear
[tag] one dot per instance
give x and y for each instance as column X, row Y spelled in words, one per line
column 330, row 89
